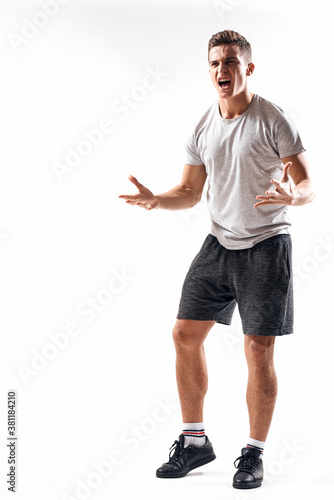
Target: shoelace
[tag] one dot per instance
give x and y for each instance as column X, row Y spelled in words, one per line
column 247, row 463
column 176, row 448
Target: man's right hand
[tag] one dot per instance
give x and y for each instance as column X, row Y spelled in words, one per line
column 144, row 198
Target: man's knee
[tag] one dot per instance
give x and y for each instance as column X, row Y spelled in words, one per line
column 258, row 347
column 189, row 333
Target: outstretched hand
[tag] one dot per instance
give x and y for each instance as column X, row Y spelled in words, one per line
column 144, row 198
column 282, row 194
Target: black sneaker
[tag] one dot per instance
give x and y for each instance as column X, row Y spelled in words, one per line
column 250, row 469
column 186, row 459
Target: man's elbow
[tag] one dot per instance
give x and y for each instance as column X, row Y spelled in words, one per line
column 312, row 191
column 194, row 195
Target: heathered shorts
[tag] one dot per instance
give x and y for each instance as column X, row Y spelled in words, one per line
column 258, row 279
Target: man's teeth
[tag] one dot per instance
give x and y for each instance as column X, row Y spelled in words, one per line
column 224, row 82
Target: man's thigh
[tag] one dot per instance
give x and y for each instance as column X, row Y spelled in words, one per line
column 264, row 288
column 206, row 295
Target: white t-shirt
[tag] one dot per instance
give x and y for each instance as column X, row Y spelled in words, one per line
column 241, row 155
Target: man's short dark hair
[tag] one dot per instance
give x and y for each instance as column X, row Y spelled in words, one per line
column 230, row 37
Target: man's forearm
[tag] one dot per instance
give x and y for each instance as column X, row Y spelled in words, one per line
column 303, row 193
column 178, row 198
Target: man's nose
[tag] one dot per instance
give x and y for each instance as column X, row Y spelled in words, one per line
column 222, row 67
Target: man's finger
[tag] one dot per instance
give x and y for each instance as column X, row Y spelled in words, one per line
column 278, row 187
column 286, row 168
column 267, row 202
column 126, row 196
column 274, row 181
column 266, row 197
column 134, row 181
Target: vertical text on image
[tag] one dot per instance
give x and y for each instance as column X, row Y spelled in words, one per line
column 12, row 441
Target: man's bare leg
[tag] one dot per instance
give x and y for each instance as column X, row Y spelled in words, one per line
column 262, row 384
column 192, row 382
column 261, row 398
column 191, row 369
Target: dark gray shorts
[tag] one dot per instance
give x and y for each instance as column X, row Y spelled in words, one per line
column 258, row 279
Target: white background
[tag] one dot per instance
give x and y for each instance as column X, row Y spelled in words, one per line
column 107, row 395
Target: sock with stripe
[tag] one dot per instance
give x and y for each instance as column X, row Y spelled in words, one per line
column 258, row 445
column 194, row 433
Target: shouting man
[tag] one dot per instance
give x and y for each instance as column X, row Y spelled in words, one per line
column 250, row 152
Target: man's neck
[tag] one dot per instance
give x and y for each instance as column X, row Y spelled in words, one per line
column 236, row 105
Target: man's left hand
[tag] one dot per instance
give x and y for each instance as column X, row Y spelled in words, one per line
column 282, row 194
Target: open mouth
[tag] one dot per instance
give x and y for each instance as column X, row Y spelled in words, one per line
column 224, row 83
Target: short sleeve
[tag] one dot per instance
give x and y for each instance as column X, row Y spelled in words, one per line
column 287, row 139
column 192, row 156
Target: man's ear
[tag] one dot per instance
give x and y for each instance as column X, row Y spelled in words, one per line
column 250, row 69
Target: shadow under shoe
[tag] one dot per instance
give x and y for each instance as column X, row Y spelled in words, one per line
column 185, row 459
column 250, row 469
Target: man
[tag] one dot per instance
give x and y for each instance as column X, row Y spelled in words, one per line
column 240, row 145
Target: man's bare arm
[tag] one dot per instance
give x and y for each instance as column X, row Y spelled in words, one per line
column 185, row 195
column 303, row 191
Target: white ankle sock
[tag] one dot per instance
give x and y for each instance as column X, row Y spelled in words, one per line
column 194, row 433
column 254, row 443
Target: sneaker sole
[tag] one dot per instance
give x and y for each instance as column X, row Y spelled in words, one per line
column 250, row 486
column 171, row 475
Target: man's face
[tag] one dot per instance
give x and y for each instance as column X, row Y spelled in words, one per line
column 229, row 70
